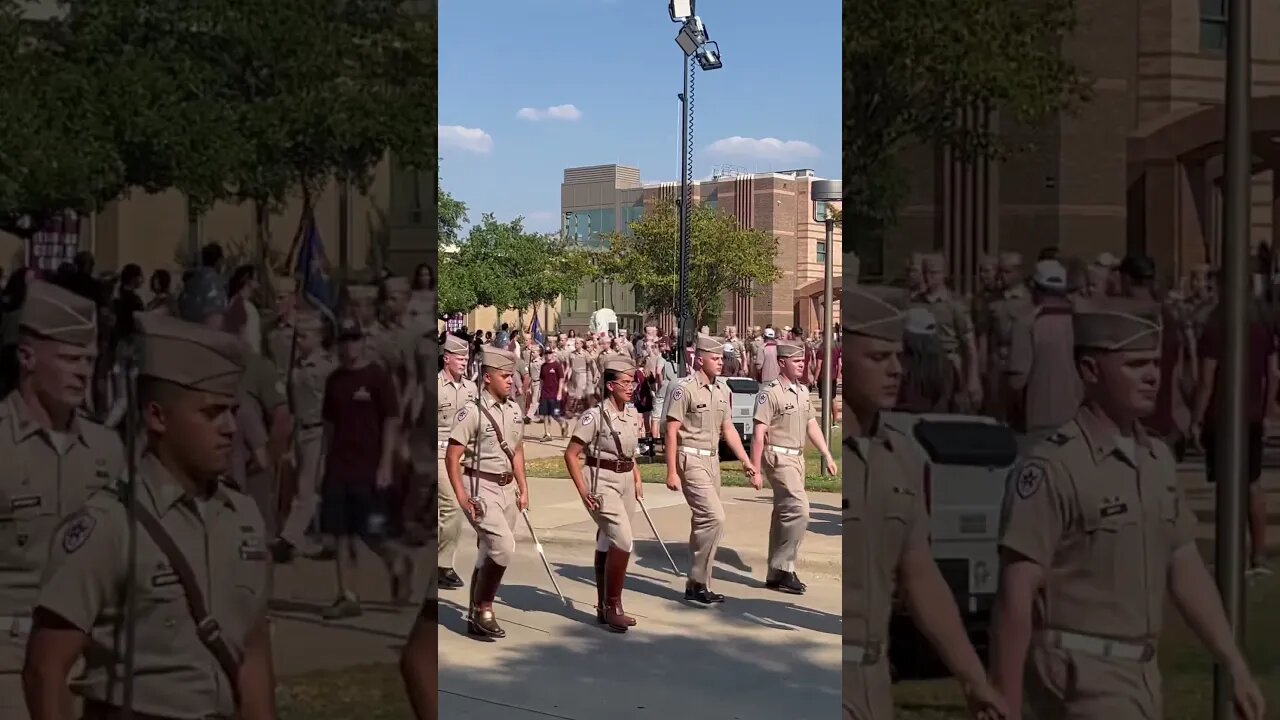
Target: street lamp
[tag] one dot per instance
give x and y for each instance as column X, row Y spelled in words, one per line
column 825, row 192
column 696, row 44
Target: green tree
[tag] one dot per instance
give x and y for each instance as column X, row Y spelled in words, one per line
column 914, row 68
column 452, row 216
column 723, row 258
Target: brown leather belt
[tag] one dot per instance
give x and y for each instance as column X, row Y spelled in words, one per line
column 96, row 710
column 618, row 466
column 499, row 478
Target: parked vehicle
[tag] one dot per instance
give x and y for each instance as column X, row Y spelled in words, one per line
column 742, row 405
column 968, row 459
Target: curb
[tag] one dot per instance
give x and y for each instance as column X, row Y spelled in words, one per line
column 818, row 563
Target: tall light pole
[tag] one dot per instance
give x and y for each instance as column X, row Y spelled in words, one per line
column 696, row 44
column 1229, row 533
column 823, row 193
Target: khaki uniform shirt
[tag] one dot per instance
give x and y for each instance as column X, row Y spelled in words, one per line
column 598, row 435
column 954, row 322
column 394, row 348
column 38, row 488
column 309, row 379
column 1002, row 314
column 1043, row 352
column 280, row 344
column 701, row 408
column 1102, row 524
column 757, row 352
column 221, row 538
column 451, row 397
column 266, row 389
column 470, row 424
column 785, row 410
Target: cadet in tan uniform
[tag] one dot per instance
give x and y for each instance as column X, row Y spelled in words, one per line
column 312, row 369
column 1010, row 302
column 489, row 432
column 784, row 417
column 1096, row 535
column 886, row 524
column 454, row 392
column 606, row 440
column 201, row 558
column 1040, row 375
column 955, row 330
column 698, row 415
column 280, row 336
column 54, row 457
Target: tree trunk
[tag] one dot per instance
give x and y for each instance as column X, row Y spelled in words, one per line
column 262, row 227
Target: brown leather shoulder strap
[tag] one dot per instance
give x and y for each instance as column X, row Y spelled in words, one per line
column 497, row 430
column 206, row 627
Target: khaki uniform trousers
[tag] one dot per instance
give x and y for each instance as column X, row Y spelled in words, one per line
column 1065, row 685
column 448, row 514
column 960, row 400
column 264, row 488
column 303, row 508
column 995, row 404
column 867, row 692
column 13, row 705
column 614, row 517
column 700, row 482
column 496, row 531
column 790, row 518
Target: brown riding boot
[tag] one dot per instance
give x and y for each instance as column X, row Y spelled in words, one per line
column 482, row 621
column 615, row 573
column 600, row 560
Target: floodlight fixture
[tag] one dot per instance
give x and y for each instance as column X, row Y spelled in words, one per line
column 824, row 192
column 680, row 10
column 691, row 37
column 708, row 56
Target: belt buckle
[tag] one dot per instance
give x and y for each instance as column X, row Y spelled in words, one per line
column 506, row 478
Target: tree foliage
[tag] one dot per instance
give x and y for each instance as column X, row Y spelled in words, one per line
column 723, row 258
column 503, row 265
column 914, row 68
column 452, row 215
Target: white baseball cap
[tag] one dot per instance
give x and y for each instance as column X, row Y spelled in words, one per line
column 768, row 332
column 1050, row 275
column 919, row 321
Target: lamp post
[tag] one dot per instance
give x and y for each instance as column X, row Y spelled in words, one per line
column 696, row 44
column 823, row 193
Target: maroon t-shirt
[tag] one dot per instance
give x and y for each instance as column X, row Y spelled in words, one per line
column 357, row 402
column 1261, row 345
column 552, row 374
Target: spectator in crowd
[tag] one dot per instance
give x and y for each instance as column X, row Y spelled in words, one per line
column 161, row 290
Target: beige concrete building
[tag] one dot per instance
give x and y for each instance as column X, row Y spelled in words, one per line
column 1136, row 170
column 603, row 199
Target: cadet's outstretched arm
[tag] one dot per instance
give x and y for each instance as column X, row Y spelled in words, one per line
column 1196, row 596
column 934, row 612
column 257, row 679
column 730, row 435
column 1020, row 580
column 52, row 650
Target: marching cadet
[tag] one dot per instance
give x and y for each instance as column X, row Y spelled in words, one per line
column 698, row 416
column 1040, row 373
column 311, row 371
column 578, row 387
column 607, row 440
column 200, row 573
column 783, row 418
column 886, row 525
column 490, row 434
column 1008, row 302
column 280, row 336
column 454, row 391
column 955, row 329
column 56, row 458
column 1096, row 536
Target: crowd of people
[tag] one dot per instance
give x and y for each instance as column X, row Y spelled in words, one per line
column 240, row 424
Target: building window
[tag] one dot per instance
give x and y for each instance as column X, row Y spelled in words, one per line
column 820, row 210
column 822, row 252
column 1213, row 26
column 589, row 227
column 631, row 214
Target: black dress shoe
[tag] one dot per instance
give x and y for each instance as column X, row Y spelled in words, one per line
column 484, row 623
column 448, row 579
column 786, row 582
column 282, row 551
column 701, row 593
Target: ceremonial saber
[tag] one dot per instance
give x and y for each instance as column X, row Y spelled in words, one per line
column 537, row 544
column 661, row 543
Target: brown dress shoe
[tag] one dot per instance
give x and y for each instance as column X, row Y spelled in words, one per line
column 481, row 621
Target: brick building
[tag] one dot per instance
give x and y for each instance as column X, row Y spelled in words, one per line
column 603, row 199
column 1138, row 169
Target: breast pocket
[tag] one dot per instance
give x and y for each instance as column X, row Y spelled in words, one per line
column 163, row 602
column 1115, row 541
column 32, row 517
column 898, row 509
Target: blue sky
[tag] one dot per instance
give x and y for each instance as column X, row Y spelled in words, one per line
column 509, row 68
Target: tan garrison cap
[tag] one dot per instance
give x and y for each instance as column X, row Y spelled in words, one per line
column 396, row 284
column 284, row 285
column 190, row 355
column 364, row 293
column 934, row 262
column 789, row 349
column 309, row 322
column 1117, row 324
column 455, row 345
column 620, row 363
column 58, row 314
column 710, row 346
column 874, row 311
column 498, row 359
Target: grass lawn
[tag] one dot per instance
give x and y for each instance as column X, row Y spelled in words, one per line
column 367, row 692
column 731, row 473
column 1188, row 673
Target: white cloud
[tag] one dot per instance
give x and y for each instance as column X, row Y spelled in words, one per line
column 555, row 112
column 465, row 138
column 771, row 149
